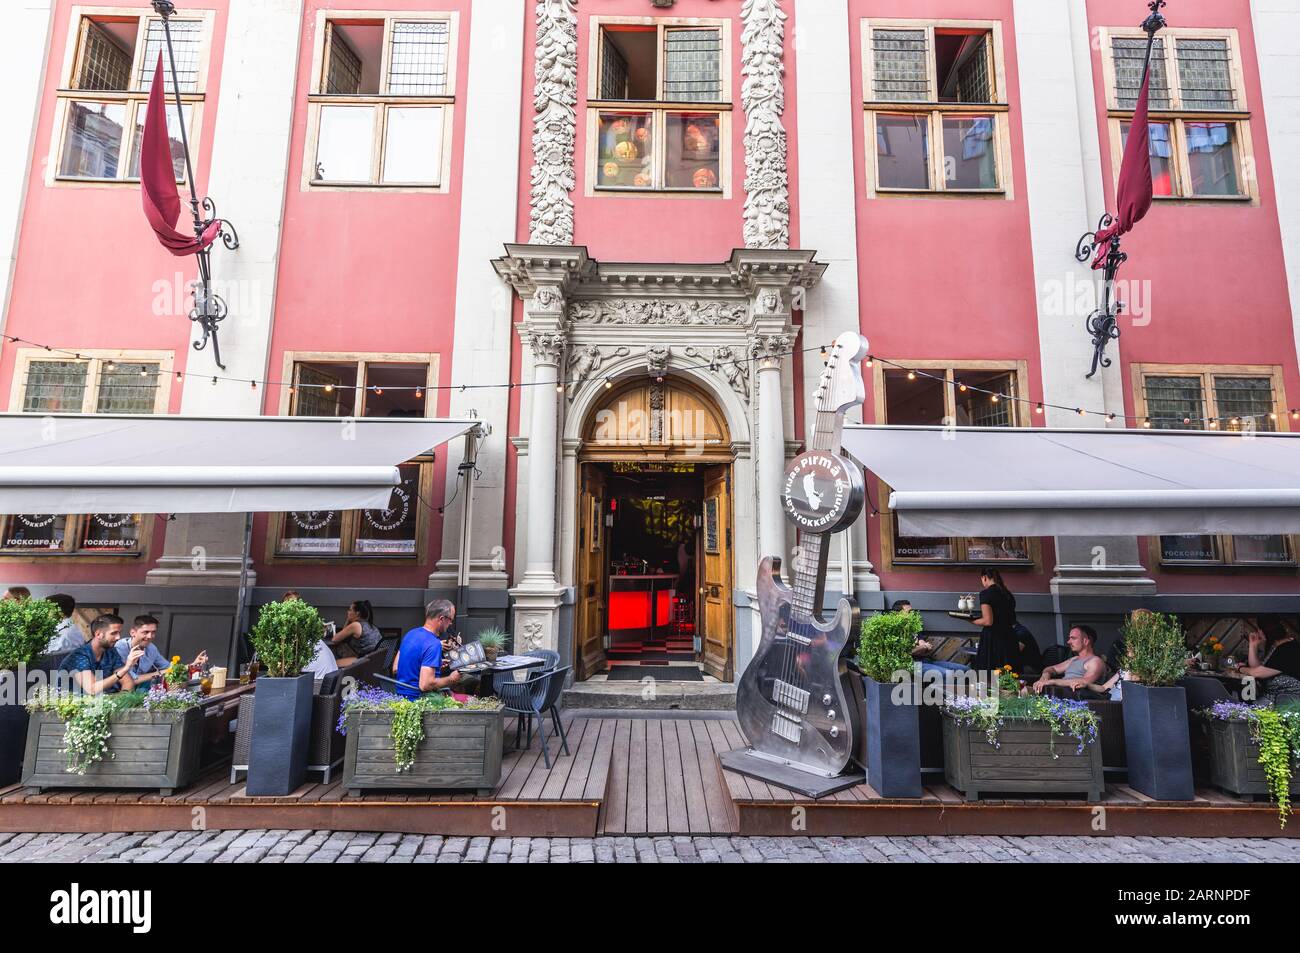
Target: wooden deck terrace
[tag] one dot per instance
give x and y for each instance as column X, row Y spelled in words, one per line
column 627, row 774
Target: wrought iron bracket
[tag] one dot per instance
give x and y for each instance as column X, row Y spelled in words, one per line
column 209, row 307
column 1103, row 324
column 1155, row 22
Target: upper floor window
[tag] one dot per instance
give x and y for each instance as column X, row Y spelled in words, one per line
column 1230, row 398
column 89, row 382
column 329, row 385
column 659, row 116
column 934, row 100
column 381, row 101
column 952, row 394
column 106, row 83
column 1200, row 135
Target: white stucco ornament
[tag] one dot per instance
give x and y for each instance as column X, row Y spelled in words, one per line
column 762, row 93
column 555, row 96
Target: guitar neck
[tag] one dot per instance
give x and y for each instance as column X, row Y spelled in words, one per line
column 809, row 577
column 808, row 585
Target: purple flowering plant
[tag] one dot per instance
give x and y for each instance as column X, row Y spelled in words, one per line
column 1064, row 716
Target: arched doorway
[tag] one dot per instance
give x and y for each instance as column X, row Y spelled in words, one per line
column 654, row 566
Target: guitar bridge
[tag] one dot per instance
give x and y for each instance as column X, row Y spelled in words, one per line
column 785, row 694
column 787, row 727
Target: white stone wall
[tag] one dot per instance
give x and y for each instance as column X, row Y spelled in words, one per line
column 828, row 224
column 248, row 181
column 24, row 57
column 1277, row 44
column 481, row 345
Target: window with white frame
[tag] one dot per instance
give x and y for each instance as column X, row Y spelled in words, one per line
column 382, row 100
column 1199, row 123
column 934, row 105
column 107, row 80
column 337, row 386
column 1239, row 399
column 119, row 384
column 981, row 395
column 659, row 107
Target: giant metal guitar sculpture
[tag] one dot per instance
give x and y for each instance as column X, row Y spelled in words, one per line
column 792, row 701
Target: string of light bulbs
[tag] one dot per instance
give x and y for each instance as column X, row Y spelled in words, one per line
column 560, row 385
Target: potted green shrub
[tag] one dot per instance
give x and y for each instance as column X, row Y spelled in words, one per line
column 493, row 641
column 1155, row 707
column 74, row 739
column 26, row 627
column 1254, row 751
column 1030, row 745
column 890, row 719
column 285, row 638
column 432, row 741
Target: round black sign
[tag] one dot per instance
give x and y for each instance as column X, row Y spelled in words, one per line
column 822, row 492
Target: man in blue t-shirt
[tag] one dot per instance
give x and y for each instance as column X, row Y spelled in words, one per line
column 419, row 658
column 96, row 667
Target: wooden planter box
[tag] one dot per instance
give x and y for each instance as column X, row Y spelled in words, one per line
column 461, row 749
column 1234, row 761
column 146, row 750
column 1021, row 764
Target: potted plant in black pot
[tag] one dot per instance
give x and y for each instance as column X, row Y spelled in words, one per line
column 26, row 628
column 1155, row 708
column 890, row 717
column 285, row 638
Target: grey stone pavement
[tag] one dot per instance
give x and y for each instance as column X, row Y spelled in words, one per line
column 338, row 847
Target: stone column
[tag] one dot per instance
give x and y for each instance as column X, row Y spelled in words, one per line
column 770, row 350
column 548, row 354
column 544, row 333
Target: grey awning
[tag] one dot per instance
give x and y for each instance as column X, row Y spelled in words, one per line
column 972, row 481
column 89, row 463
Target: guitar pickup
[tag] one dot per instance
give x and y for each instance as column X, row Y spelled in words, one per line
column 787, row 727
column 786, row 695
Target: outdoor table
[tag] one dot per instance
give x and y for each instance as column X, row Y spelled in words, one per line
column 487, row 671
column 1230, row 680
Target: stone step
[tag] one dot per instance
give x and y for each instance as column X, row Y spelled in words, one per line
column 709, row 695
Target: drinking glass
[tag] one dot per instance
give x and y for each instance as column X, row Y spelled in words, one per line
column 244, row 673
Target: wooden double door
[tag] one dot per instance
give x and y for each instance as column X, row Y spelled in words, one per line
column 714, row 612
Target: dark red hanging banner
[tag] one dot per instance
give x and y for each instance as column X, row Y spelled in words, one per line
column 162, row 201
column 1134, row 195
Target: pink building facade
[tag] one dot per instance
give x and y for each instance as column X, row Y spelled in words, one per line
column 553, row 214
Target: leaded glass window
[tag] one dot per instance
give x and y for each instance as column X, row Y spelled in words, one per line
column 343, row 77
column 1243, row 399
column 127, row 388
column 55, row 387
column 105, row 63
column 417, row 59
column 692, row 66
column 901, row 60
column 187, row 36
column 1205, row 74
column 1130, row 57
column 1175, row 403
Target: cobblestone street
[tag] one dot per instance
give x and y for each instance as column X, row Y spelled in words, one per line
column 325, row 847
